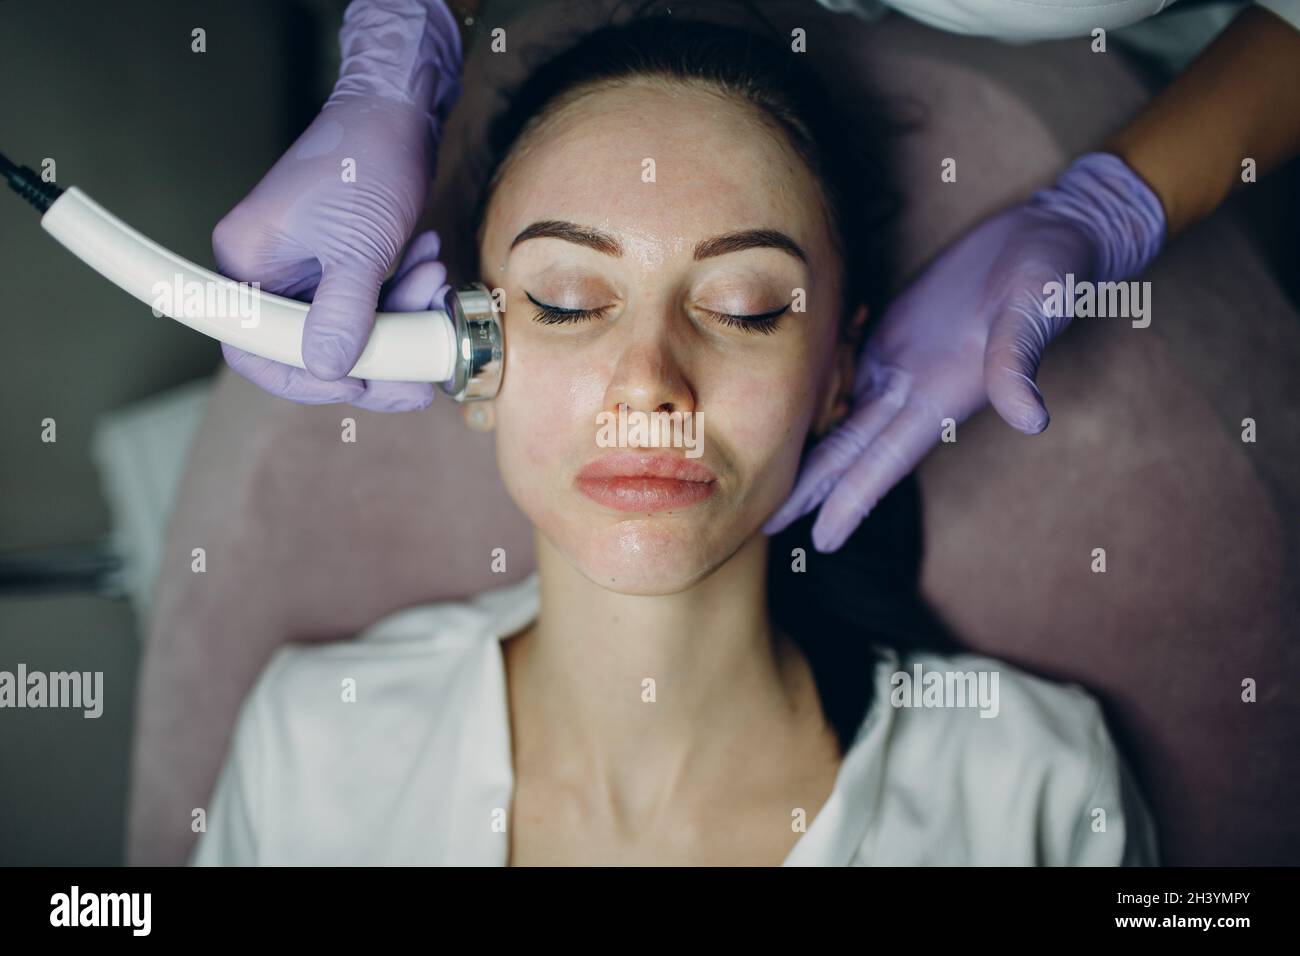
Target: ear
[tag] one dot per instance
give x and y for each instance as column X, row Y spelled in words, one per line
column 479, row 416
column 838, row 400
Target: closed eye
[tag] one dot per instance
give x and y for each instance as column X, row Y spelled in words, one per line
column 553, row 315
column 764, row 323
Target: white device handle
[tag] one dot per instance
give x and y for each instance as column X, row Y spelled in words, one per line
column 404, row 346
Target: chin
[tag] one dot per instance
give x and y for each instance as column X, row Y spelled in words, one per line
column 647, row 555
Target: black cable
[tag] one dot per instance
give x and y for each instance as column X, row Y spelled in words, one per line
column 95, row 568
column 27, row 183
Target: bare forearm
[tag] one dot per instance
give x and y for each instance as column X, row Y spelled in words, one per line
column 1240, row 99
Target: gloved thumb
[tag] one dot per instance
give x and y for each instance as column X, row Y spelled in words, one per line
column 340, row 318
column 1015, row 346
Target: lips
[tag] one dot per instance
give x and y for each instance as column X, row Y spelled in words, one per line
column 628, row 481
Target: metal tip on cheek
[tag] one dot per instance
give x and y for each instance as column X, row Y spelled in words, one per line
column 480, row 344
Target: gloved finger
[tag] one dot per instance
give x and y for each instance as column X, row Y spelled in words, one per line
column 423, row 248
column 395, row 396
column 288, row 382
column 883, row 463
column 250, row 251
column 416, row 290
column 413, row 288
column 340, row 318
column 833, row 456
column 1015, row 347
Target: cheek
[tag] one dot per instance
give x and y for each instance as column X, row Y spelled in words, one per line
column 763, row 410
column 762, row 413
column 547, row 406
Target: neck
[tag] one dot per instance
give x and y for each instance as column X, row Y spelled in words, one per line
column 638, row 696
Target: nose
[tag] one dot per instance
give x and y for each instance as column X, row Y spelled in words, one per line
column 648, row 378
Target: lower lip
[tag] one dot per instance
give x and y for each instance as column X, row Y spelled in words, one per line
column 645, row 494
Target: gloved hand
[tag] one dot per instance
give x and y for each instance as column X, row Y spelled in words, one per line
column 311, row 228
column 972, row 328
column 419, row 282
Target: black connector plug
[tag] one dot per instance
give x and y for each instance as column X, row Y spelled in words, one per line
column 27, row 183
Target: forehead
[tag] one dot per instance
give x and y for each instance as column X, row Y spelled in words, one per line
column 663, row 162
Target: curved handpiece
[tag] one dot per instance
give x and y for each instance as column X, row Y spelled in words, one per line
column 410, row 346
column 461, row 346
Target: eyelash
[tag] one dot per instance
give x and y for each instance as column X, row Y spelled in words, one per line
column 763, row 324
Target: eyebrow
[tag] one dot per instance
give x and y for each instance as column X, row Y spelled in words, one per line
column 608, row 245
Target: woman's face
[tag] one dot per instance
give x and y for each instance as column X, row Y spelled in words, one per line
column 651, row 180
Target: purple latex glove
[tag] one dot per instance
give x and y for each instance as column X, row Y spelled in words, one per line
column 419, row 282
column 973, row 328
column 307, row 232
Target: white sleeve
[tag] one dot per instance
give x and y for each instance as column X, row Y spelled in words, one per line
column 1113, row 825
column 232, row 812
column 1288, row 10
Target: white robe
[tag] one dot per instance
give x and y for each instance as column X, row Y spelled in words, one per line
column 417, row 770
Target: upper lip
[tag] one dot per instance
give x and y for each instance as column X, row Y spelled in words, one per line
column 639, row 465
